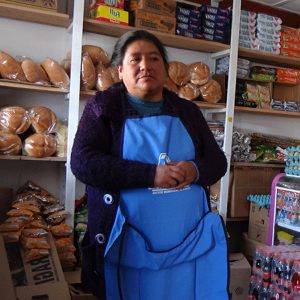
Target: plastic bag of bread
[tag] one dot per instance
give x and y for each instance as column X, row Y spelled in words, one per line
column 188, row 91
column 66, row 65
column 62, row 138
column 199, row 73
column 10, row 143
column 34, row 73
column 39, row 145
column 211, row 91
column 56, row 73
column 43, row 120
column 179, row 72
column 104, row 78
column 88, row 74
column 10, row 68
column 14, row 119
column 114, row 74
column 97, row 54
column 170, row 85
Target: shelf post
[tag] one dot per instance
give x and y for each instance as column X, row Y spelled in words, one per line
column 73, row 115
column 229, row 115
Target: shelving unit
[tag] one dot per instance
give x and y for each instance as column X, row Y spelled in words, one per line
column 81, row 25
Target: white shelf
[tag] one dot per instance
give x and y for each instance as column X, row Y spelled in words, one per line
column 287, row 226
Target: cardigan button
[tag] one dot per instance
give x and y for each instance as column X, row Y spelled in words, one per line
column 108, row 199
column 100, row 238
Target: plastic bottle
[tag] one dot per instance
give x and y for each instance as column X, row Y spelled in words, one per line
column 271, row 291
column 252, row 284
column 256, row 290
column 277, row 294
column 259, row 260
column 256, row 267
column 281, row 268
column 295, row 282
column 287, row 275
column 263, row 292
column 266, row 267
column 274, row 269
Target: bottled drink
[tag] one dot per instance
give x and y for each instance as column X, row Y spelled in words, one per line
column 277, row 294
column 251, row 286
column 257, row 255
column 295, row 282
column 274, row 269
column 259, row 260
column 283, row 295
column 263, row 292
column 271, row 291
column 281, row 268
column 266, row 267
column 287, row 275
column 256, row 290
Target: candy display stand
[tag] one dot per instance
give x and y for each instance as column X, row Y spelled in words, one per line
column 284, row 225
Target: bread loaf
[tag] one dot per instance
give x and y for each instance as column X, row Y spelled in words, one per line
column 114, row 74
column 199, row 73
column 10, row 68
column 34, row 73
column 66, row 65
column 188, row 91
column 104, row 78
column 97, row 54
column 179, row 72
column 39, row 145
column 43, row 120
column 14, row 119
column 56, row 73
column 170, row 85
column 10, row 143
column 61, row 138
column 211, row 91
column 88, row 74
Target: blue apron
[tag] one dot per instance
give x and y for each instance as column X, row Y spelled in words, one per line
column 165, row 243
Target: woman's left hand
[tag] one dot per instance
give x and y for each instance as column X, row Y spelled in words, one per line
column 189, row 170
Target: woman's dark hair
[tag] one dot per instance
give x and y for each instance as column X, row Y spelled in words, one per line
column 135, row 35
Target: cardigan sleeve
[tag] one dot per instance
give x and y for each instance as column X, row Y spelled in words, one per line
column 93, row 163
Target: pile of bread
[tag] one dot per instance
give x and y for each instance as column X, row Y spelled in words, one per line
column 34, row 132
column 192, row 81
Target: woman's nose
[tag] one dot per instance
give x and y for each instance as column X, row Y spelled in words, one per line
column 145, row 64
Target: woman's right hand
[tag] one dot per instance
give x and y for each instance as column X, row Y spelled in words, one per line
column 167, row 176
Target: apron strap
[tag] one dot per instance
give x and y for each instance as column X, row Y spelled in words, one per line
column 119, row 259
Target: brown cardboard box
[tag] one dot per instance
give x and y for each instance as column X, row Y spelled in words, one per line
column 249, row 245
column 259, row 223
column 246, row 181
column 48, row 5
column 161, row 7
column 240, row 272
column 149, row 21
column 44, row 276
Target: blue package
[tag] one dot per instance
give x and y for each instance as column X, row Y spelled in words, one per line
column 220, row 39
column 183, row 26
column 208, row 30
column 182, row 18
column 198, row 36
column 195, row 28
column 221, row 33
column 195, row 21
column 188, row 12
column 209, row 9
column 208, row 37
column 222, row 19
column 186, row 33
column 210, row 17
column 223, row 12
column 214, row 25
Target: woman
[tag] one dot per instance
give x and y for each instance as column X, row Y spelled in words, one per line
column 144, row 154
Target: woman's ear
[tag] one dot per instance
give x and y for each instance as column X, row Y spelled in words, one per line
column 119, row 68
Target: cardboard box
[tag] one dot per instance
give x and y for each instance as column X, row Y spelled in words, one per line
column 249, row 245
column 149, row 21
column 44, row 276
column 109, row 14
column 161, row 7
column 259, row 223
column 110, row 3
column 41, row 4
column 246, row 181
column 240, row 272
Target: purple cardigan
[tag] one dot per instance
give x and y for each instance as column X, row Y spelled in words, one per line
column 96, row 160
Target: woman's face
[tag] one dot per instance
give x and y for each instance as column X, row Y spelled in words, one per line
column 143, row 71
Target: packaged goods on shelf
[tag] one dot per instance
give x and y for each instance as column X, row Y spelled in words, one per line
column 109, row 14
column 243, row 67
column 145, row 20
column 110, row 3
column 161, row 7
column 40, row 4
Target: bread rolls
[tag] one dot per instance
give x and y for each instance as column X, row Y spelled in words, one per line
column 114, row 74
column 34, row 73
column 88, row 74
column 43, row 120
column 10, row 143
column 10, row 68
column 61, row 138
column 188, row 91
column 104, row 78
column 66, row 65
column 39, row 145
column 170, row 85
column 56, row 73
column 14, row 119
column 179, row 72
column 211, row 91
column 199, row 73
column 97, row 54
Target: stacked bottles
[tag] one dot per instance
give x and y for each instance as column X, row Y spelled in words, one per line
column 275, row 273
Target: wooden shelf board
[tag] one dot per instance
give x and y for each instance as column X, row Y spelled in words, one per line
column 208, row 105
column 229, row 219
column 258, row 164
column 34, row 15
column 271, row 59
column 167, row 39
column 23, row 157
column 32, row 87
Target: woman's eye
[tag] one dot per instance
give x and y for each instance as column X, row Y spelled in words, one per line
column 153, row 58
